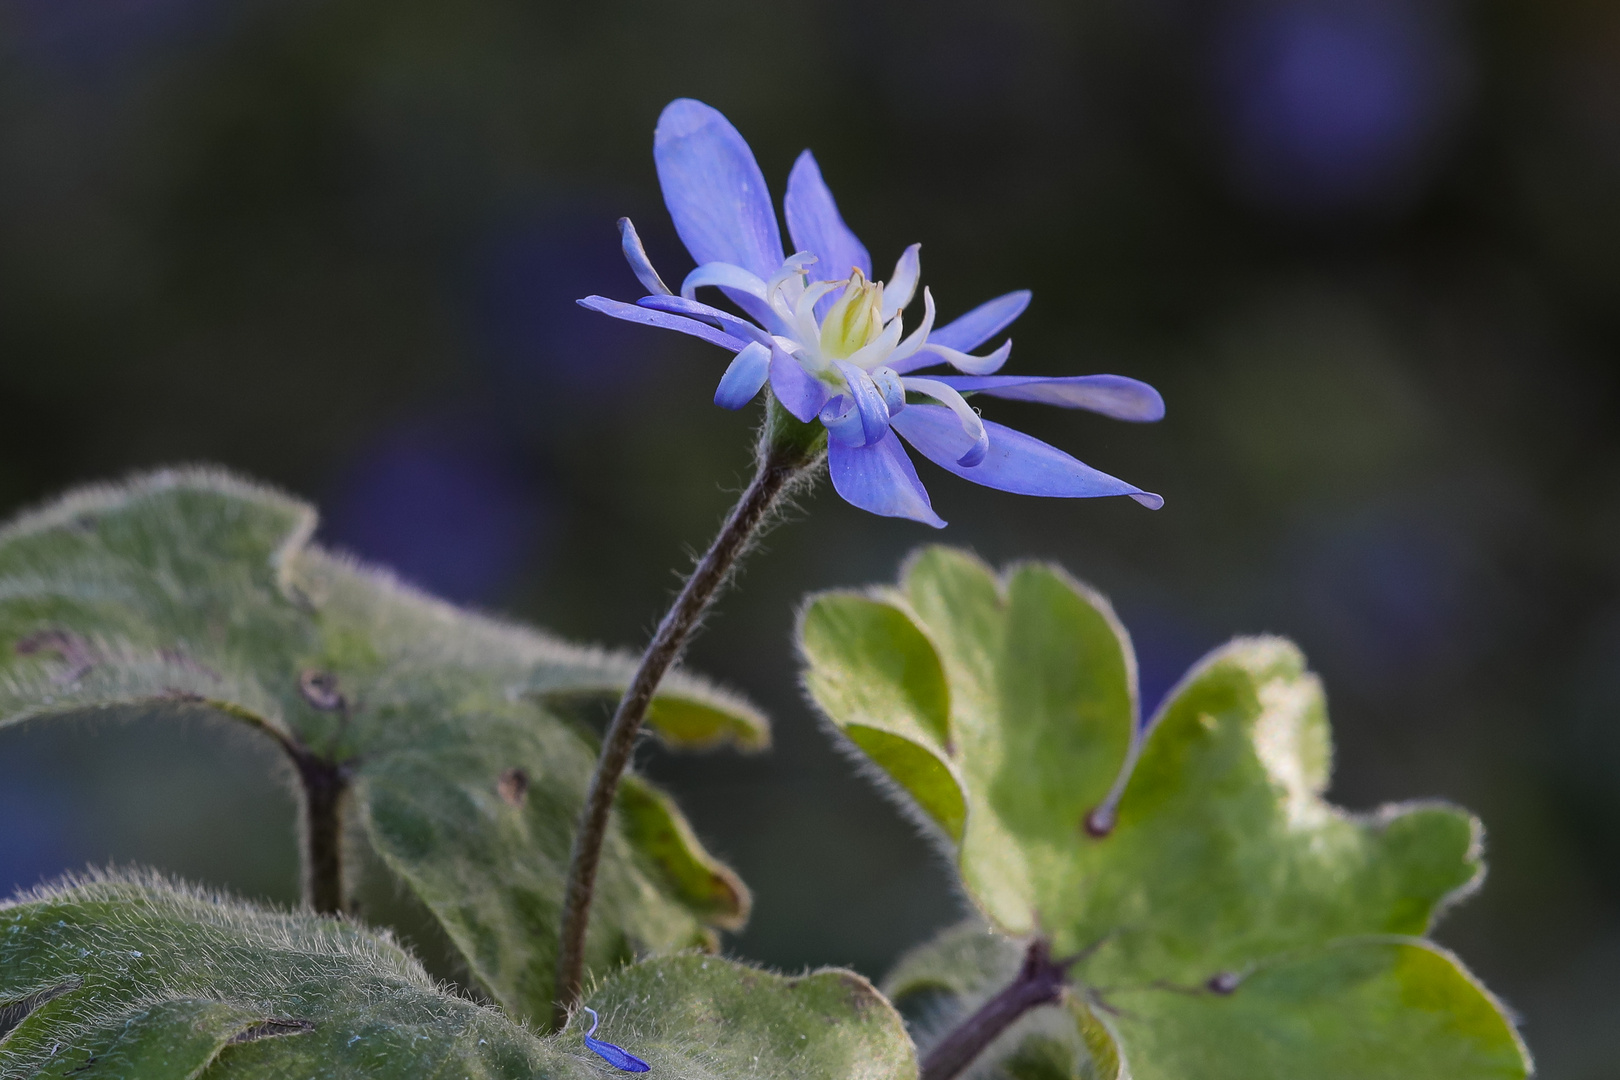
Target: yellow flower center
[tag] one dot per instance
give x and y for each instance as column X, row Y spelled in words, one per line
column 854, row 320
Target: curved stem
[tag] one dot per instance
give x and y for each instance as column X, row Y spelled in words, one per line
column 787, row 451
column 1040, row 981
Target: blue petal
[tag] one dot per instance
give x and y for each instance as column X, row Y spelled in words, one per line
column 679, row 305
column 1016, row 462
column 843, row 421
column 889, row 385
column 716, row 193
column 816, row 226
column 868, row 399
column 982, row 323
column 1112, row 395
column 881, row 479
column 744, row 377
column 636, row 256
column 632, row 313
column 800, row 393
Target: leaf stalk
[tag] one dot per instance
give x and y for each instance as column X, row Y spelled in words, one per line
column 1040, row 981
column 326, row 789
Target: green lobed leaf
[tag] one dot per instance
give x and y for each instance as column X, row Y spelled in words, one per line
column 138, row 979
column 1175, row 857
column 1368, row 1008
column 192, row 592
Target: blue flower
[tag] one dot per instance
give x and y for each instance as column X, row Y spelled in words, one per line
column 830, row 340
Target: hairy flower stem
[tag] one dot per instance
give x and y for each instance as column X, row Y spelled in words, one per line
column 1040, row 981
column 788, row 450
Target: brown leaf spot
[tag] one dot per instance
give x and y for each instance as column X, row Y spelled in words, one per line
column 320, row 689
column 513, row 786
column 266, row 1029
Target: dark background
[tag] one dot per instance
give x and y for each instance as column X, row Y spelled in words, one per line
column 1369, row 251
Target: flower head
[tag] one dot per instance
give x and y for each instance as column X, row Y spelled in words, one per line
column 832, row 342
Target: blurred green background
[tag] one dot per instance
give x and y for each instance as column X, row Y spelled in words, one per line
column 1369, row 250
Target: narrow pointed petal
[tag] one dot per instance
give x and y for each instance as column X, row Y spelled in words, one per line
column 815, row 224
column 868, row 400
column 728, row 322
column 917, row 338
column 800, row 393
column 744, row 377
column 714, row 189
column 734, row 279
column 961, row 361
column 902, row 284
column 664, row 321
column 636, row 256
column 1016, row 462
column 983, row 322
column 880, row 479
column 1112, row 395
column 965, row 414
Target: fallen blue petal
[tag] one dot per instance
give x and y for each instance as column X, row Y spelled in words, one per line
column 1112, row 395
column 615, row 1056
column 881, row 479
column 1016, row 462
column 647, row 317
